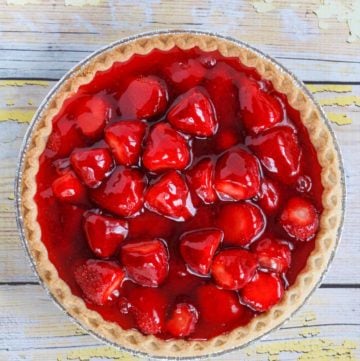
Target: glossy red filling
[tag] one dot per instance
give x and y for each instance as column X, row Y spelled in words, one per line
column 177, row 289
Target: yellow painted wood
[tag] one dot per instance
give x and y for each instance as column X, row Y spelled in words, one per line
column 339, row 118
column 17, row 115
column 341, row 101
column 333, row 88
column 19, row 83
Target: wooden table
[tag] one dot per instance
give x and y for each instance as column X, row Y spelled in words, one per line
column 40, row 40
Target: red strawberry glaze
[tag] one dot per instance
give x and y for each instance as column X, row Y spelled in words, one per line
column 176, row 72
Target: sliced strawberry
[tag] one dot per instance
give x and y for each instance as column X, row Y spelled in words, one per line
column 99, row 279
column 68, row 188
column 264, row 291
column 64, row 137
column 193, row 113
column 218, row 306
column 170, row 197
column 144, row 98
column 201, row 180
column 146, row 261
column 300, row 219
column 237, row 175
column 148, row 305
column 270, row 196
column 279, row 152
column 124, row 139
column 165, row 149
column 185, row 74
column 104, row 233
column 91, row 165
column 259, row 110
column 232, row 269
column 198, row 248
column 273, row 254
column 182, row 321
column 241, row 223
column 121, row 193
column 92, row 113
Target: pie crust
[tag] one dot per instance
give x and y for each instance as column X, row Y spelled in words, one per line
column 331, row 176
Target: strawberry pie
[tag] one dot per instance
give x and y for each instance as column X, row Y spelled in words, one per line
column 181, row 194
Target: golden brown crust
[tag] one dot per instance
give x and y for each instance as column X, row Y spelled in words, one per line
column 330, row 222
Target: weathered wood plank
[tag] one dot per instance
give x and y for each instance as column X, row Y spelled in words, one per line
column 320, row 328
column 49, row 63
column 45, row 40
column 42, row 39
column 14, row 266
column 334, row 348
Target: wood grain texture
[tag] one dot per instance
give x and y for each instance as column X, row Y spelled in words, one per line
column 42, row 40
column 44, row 329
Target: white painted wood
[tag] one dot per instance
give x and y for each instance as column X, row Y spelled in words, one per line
column 41, row 327
column 26, row 62
column 40, row 40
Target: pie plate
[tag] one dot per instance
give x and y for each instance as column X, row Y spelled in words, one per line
column 332, row 178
